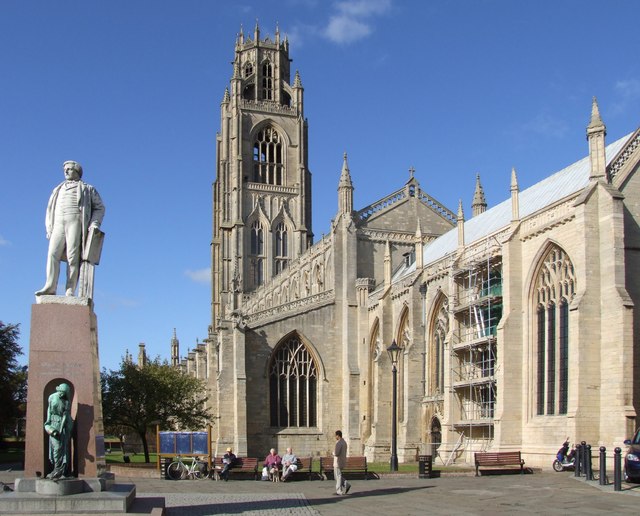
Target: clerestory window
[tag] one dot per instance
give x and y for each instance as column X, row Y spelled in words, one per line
column 293, row 386
column 555, row 288
column 268, row 163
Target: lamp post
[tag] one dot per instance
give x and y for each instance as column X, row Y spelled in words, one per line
column 394, row 352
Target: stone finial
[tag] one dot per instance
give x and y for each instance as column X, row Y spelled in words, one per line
column 418, row 247
column 596, row 132
column 460, row 225
column 297, row 83
column 596, row 122
column 515, row 196
column 226, row 97
column 256, row 32
column 479, row 203
column 345, row 189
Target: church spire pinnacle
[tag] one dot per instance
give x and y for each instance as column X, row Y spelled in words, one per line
column 596, row 132
column 479, row 203
column 515, row 196
column 256, row 32
column 345, row 189
column 297, row 83
column 460, row 225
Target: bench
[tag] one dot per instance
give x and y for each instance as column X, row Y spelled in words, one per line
column 241, row 465
column 354, row 465
column 304, row 467
column 498, row 459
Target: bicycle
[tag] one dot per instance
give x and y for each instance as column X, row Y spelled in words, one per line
column 180, row 470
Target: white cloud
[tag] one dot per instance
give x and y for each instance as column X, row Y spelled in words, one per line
column 344, row 29
column 364, row 7
column 199, row 275
column 3, row 241
column 351, row 22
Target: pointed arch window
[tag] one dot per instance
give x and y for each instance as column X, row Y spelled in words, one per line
column 267, row 81
column 555, row 288
column 248, row 70
column 293, row 386
column 438, row 337
column 257, row 253
column 268, row 157
column 282, row 248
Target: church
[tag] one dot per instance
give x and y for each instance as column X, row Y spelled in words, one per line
column 517, row 325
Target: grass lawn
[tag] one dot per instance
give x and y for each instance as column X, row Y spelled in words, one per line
column 118, row 458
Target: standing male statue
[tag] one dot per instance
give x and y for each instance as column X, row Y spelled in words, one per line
column 59, row 425
column 74, row 209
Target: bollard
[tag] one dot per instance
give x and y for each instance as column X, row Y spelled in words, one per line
column 617, row 469
column 603, row 466
column 577, row 471
column 583, row 460
column 588, row 465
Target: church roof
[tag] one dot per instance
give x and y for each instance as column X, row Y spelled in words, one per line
column 550, row 190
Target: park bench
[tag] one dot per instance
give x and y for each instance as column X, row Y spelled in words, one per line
column 241, row 465
column 304, row 467
column 498, row 459
column 354, row 465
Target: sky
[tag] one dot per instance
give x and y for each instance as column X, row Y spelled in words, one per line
column 131, row 89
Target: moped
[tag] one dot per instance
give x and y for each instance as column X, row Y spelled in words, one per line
column 565, row 459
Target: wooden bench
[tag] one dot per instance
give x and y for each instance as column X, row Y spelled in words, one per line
column 354, row 465
column 498, row 459
column 304, row 467
column 241, row 465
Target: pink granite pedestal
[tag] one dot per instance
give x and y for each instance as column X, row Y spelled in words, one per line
column 64, row 348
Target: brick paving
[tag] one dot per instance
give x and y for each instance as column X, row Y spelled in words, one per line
column 538, row 493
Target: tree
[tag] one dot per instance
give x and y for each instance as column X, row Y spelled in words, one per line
column 137, row 398
column 13, row 377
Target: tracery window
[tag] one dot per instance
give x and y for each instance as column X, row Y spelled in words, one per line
column 282, row 248
column 555, row 288
column 248, row 69
column 267, row 81
column 268, row 157
column 257, row 253
column 293, row 386
column 438, row 337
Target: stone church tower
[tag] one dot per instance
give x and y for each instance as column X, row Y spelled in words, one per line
column 507, row 320
column 262, row 192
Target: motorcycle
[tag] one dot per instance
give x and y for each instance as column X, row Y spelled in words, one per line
column 565, row 459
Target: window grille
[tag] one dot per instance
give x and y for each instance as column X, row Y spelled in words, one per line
column 293, row 381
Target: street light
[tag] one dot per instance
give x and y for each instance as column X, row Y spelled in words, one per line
column 394, row 353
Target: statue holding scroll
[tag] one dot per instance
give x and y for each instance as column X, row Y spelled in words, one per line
column 72, row 221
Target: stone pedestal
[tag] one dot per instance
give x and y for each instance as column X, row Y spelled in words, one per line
column 63, row 347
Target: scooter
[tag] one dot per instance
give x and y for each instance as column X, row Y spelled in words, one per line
column 565, row 459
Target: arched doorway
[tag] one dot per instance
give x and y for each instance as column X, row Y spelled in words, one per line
column 436, row 436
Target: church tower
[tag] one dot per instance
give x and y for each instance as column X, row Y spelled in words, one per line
column 262, row 191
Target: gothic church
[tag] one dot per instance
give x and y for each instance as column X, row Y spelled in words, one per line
column 518, row 326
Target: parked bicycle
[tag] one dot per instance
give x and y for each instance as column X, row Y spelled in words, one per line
column 181, row 469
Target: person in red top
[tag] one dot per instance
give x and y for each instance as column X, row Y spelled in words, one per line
column 271, row 465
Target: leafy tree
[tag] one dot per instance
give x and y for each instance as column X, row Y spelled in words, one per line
column 137, row 398
column 13, row 378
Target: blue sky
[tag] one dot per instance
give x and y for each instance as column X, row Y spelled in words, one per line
column 132, row 89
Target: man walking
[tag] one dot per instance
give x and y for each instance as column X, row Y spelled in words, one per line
column 339, row 463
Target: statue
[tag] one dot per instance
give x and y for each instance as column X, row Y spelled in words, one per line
column 73, row 216
column 59, row 425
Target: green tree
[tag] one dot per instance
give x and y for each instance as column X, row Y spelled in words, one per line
column 137, row 398
column 13, row 378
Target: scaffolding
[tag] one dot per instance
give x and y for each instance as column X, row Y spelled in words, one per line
column 473, row 352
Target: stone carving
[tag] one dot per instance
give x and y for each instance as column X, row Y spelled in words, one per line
column 73, row 217
column 59, row 425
